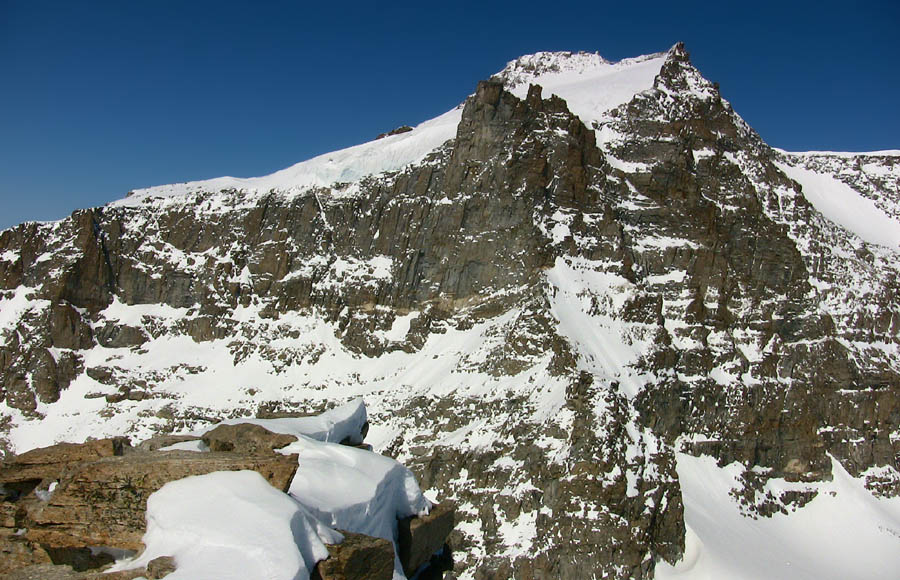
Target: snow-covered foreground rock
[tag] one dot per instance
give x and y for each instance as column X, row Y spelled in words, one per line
column 541, row 295
column 248, row 502
column 232, row 525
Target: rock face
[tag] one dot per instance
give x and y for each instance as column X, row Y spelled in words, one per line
column 542, row 310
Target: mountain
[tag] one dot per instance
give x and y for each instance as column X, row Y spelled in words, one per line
column 590, row 305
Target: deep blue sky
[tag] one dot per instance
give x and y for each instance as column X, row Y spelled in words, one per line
column 100, row 97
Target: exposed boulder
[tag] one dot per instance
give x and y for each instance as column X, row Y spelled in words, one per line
column 160, row 567
column 422, row 537
column 245, row 438
column 357, row 557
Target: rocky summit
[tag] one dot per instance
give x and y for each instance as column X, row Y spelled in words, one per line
column 569, row 304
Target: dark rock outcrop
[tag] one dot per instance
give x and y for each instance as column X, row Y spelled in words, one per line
column 398, row 131
column 358, row 557
column 422, row 537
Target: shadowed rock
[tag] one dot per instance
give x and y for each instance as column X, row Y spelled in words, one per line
column 357, row 557
column 421, row 538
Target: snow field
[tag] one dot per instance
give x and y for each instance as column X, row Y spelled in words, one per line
column 844, row 532
column 347, row 165
column 846, row 207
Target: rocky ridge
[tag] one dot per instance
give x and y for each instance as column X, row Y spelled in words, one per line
column 543, row 310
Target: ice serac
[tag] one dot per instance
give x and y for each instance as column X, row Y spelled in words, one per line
column 544, row 296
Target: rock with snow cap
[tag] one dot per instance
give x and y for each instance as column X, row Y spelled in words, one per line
column 102, row 502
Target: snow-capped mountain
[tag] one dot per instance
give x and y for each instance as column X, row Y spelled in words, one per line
column 590, row 305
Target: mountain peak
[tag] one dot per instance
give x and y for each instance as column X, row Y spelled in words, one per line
column 551, row 317
column 590, row 84
column 530, row 66
column 679, row 52
column 537, row 67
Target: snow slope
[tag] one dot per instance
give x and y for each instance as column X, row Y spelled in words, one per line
column 346, row 165
column 590, row 85
column 844, row 532
column 846, row 207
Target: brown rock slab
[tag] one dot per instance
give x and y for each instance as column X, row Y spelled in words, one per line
column 245, row 438
column 49, row 462
column 102, row 503
column 16, row 552
column 358, row 557
column 43, row 572
column 421, row 537
column 160, row 441
column 7, row 514
column 64, row 572
column 68, row 452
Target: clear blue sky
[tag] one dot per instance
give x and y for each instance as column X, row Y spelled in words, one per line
column 100, row 97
